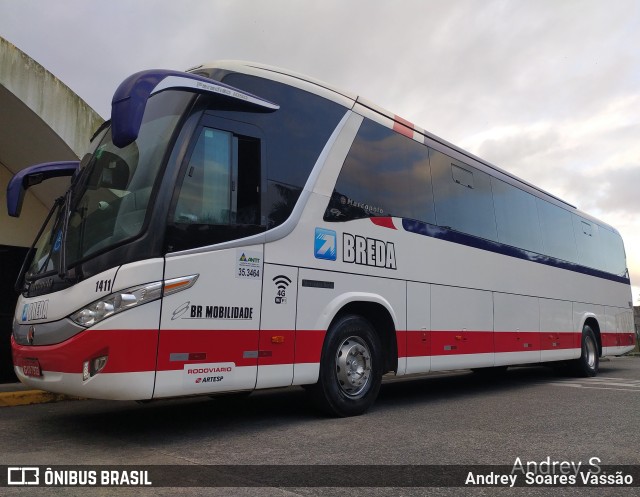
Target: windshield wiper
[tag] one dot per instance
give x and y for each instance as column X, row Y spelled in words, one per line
column 62, row 261
column 27, row 260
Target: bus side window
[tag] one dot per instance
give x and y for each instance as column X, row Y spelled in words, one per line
column 220, row 191
column 205, row 196
column 614, row 260
column 516, row 216
column 556, row 225
column 463, row 197
column 384, row 174
column 222, row 181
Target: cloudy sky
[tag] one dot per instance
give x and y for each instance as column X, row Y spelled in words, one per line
column 547, row 89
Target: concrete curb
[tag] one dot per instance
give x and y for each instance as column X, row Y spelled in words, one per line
column 27, row 397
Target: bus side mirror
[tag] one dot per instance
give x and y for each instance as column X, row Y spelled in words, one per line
column 34, row 175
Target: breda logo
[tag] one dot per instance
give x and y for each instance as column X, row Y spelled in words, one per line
column 368, row 251
column 35, row 310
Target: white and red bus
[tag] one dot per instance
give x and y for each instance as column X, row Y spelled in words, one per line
column 239, row 227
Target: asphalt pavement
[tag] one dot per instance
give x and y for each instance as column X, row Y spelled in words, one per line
column 456, row 419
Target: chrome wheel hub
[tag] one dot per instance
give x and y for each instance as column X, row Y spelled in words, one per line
column 590, row 352
column 353, row 366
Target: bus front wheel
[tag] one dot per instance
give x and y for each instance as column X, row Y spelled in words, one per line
column 350, row 368
column 589, row 361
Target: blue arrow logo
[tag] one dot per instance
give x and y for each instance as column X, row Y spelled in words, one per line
column 325, row 246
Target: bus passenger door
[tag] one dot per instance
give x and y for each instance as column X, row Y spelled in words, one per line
column 209, row 332
column 277, row 326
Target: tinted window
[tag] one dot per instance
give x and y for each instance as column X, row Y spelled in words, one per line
column 295, row 135
column 588, row 243
column 206, row 189
column 384, row 174
column 222, row 181
column 613, row 249
column 516, row 216
column 463, row 197
column 557, row 231
column 219, row 195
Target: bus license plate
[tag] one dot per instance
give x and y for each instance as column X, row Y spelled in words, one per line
column 31, row 367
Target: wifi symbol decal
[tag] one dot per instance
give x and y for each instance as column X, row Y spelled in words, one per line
column 282, row 282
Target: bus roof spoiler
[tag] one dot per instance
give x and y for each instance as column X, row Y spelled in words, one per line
column 130, row 99
column 34, row 175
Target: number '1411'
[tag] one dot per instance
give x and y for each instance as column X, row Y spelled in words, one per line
column 103, row 285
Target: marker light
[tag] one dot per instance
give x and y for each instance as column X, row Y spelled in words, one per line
column 128, row 298
column 176, row 285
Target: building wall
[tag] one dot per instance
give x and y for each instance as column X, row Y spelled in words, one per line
column 41, row 120
column 636, row 321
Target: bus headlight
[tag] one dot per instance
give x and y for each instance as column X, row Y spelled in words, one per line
column 117, row 302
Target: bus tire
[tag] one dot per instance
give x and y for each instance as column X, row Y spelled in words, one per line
column 589, row 361
column 350, row 368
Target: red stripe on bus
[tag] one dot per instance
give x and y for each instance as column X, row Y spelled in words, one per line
column 613, row 339
column 461, row 342
column 435, row 343
column 127, row 350
column 135, row 350
column 402, row 342
column 237, row 346
column 276, row 347
column 241, row 347
column 403, row 126
column 515, row 341
column 385, row 222
column 609, row 339
column 309, row 346
column 626, row 339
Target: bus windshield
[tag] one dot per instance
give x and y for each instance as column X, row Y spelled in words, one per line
column 111, row 196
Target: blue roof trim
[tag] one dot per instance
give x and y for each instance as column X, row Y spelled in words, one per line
column 31, row 176
column 130, row 98
column 441, row 233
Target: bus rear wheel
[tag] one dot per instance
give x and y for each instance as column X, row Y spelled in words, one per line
column 589, row 361
column 350, row 368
